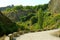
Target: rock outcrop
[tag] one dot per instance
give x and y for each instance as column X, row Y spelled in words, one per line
column 6, row 25
column 54, row 6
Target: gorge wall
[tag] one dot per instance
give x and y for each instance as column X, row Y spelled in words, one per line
column 6, row 25
column 54, row 6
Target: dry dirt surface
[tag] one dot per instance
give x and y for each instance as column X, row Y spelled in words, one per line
column 44, row 35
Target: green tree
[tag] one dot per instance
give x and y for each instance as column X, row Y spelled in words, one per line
column 34, row 20
column 40, row 18
column 18, row 7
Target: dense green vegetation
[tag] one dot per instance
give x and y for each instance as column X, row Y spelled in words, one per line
column 31, row 9
column 31, row 18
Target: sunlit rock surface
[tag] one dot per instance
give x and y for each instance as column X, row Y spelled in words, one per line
column 54, row 6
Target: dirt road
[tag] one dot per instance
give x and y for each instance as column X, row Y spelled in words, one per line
column 44, row 35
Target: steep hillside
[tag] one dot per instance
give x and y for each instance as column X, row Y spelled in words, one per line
column 33, row 18
column 19, row 11
column 15, row 15
column 6, row 25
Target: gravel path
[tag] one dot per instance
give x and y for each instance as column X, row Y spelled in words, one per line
column 44, row 35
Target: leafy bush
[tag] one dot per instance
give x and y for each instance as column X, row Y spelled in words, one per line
column 34, row 20
column 25, row 18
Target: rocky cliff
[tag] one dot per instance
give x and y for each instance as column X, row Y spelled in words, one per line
column 6, row 25
column 54, row 6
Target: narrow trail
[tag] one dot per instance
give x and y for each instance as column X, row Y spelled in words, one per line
column 44, row 35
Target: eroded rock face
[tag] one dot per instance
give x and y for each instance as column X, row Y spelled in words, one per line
column 54, row 6
column 6, row 25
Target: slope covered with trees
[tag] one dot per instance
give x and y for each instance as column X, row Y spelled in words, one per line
column 16, row 12
column 31, row 18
